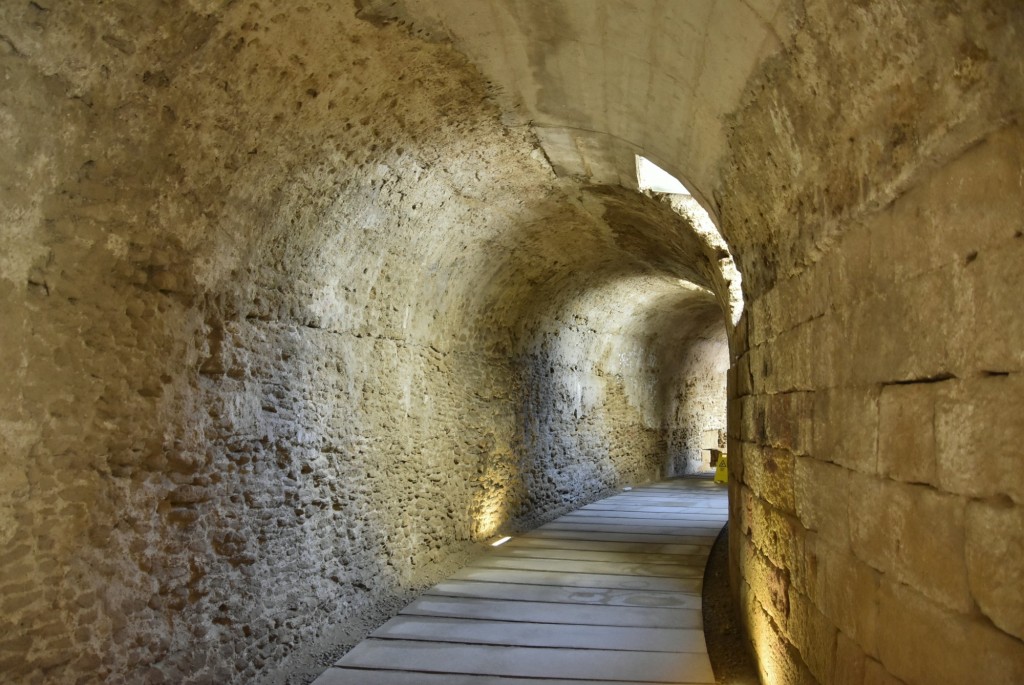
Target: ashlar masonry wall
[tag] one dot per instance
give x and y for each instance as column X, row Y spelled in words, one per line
column 877, row 488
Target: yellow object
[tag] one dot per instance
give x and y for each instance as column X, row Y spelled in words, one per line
column 722, row 470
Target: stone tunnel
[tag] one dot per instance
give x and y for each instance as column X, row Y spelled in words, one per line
column 302, row 302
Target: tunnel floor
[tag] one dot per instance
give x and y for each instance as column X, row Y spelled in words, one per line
column 610, row 594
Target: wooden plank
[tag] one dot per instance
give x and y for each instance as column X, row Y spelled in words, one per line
column 588, row 580
column 337, row 675
column 592, row 567
column 636, row 639
column 529, row 662
column 655, row 492
column 677, row 502
column 662, row 506
column 690, row 539
column 561, row 524
column 567, row 595
column 702, row 494
column 607, row 594
column 640, row 523
column 520, row 551
column 549, row 612
column 604, row 505
column 630, row 518
column 597, row 545
column 641, row 516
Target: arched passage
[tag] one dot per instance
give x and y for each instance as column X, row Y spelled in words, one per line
column 279, row 287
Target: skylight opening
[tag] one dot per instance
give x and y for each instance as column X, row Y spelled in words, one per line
column 652, row 177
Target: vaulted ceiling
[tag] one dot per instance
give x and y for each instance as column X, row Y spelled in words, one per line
column 600, row 81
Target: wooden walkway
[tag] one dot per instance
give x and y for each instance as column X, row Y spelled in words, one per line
column 608, row 594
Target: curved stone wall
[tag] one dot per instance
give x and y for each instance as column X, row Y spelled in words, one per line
column 875, row 210
column 291, row 324
column 299, row 307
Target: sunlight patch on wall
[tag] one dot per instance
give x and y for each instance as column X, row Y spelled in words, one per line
column 652, row 178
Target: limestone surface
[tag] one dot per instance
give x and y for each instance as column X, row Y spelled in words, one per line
column 301, row 303
column 292, row 323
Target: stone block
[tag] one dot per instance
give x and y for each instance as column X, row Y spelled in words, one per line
column 761, row 368
column 887, row 342
column 813, row 634
column 968, row 205
column 752, row 418
column 847, row 593
column 747, row 503
column 769, row 584
column 737, row 543
column 931, row 543
column 821, row 494
column 816, row 277
column 734, row 417
column 912, row 532
column 807, row 575
column 846, row 427
column 744, row 382
column 735, row 450
column 995, row 562
column 780, row 317
column 709, row 439
column 924, row 644
column 906, row 432
column 857, row 274
column 789, row 421
column 759, row 323
column 991, row 285
column 779, row 661
column 979, row 434
column 777, row 535
column 875, row 674
column 769, row 472
column 799, row 356
column 877, row 515
column 831, row 340
column 848, row 665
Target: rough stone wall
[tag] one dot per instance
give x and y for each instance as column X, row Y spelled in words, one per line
column 875, row 398
column 696, row 380
column 282, row 333
column 598, row 366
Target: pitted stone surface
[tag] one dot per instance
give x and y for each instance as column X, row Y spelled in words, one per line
column 300, row 303
column 291, row 322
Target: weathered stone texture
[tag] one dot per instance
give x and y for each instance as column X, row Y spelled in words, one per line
column 288, row 331
column 843, row 588
column 846, row 427
column 876, row 250
column 906, row 429
column 995, row 538
column 770, row 474
column 694, row 378
column 915, row 639
column 979, row 436
column 822, row 498
column 849, row 664
column 291, row 321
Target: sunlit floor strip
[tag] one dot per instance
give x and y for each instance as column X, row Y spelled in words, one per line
column 608, row 594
